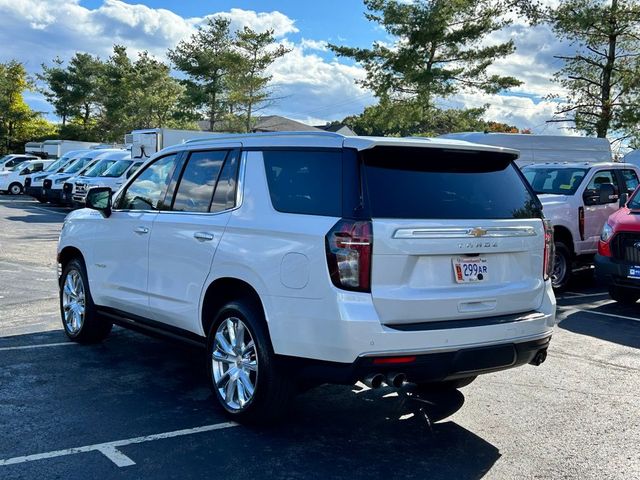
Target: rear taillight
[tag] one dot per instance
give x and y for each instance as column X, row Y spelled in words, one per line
column 349, row 245
column 549, row 250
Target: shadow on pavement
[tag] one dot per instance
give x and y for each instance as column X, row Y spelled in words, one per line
column 611, row 329
column 131, row 385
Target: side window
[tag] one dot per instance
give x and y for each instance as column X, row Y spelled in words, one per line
column 13, row 163
column 147, row 191
column 603, row 176
column 36, row 167
column 133, row 169
column 195, row 190
column 305, row 181
column 630, row 180
column 224, row 197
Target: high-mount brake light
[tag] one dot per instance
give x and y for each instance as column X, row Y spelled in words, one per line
column 349, row 246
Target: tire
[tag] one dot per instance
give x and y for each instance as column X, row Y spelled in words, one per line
column 83, row 325
column 15, row 189
column 232, row 374
column 625, row 296
column 561, row 274
column 443, row 386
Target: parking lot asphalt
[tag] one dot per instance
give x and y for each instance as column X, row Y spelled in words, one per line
column 139, row 407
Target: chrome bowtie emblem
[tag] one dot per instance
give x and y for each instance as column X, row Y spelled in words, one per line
column 477, row 232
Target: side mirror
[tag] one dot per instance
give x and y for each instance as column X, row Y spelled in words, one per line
column 623, row 200
column 99, row 198
column 606, row 194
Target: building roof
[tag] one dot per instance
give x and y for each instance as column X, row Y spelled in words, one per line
column 268, row 123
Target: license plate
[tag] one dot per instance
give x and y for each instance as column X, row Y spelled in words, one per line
column 634, row 272
column 470, row 269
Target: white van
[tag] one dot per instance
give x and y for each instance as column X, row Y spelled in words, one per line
column 12, row 181
column 543, row 148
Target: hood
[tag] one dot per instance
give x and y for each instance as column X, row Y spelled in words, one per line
column 626, row 220
column 550, row 199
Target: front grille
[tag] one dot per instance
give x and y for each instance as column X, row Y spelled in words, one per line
column 80, row 187
column 47, row 184
column 27, row 182
column 626, row 246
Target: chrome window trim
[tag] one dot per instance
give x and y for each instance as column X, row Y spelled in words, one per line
column 239, row 196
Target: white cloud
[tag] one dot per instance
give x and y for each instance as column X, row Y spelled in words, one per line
column 312, row 85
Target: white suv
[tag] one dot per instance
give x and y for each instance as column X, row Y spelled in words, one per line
column 301, row 259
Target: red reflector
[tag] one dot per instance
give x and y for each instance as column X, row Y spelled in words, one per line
column 393, row 360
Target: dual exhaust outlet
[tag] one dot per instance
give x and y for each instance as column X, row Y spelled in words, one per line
column 376, row 380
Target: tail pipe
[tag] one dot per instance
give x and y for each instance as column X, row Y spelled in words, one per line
column 396, row 380
column 539, row 358
column 374, row 380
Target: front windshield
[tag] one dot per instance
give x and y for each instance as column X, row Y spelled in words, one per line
column 117, row 169
column 99, row 168
column 554, row 180
column 5, row 158
column 57, row 164
column 77, row 165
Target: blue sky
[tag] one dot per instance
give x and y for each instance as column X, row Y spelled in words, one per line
column 313, row 85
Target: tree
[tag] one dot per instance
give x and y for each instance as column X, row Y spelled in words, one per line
column 207, row 58
column 84, row 75
column 18, row 123
column 256, row 52
column 58, row 89
column 398, row 118
column 438, row 50
column 602, row 77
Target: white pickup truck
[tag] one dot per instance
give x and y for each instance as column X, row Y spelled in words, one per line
column 578, row 198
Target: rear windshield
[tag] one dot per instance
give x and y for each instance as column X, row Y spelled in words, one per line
column 555, row 181
column 428, row 183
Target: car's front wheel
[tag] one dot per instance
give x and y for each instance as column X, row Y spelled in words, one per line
column 15, row 189
column 80, row 319
column 244, row 374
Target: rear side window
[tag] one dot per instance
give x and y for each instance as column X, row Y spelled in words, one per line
column 427, row 183
column 305, row 181
column 630, row 180
column 224, row 197
column 198, row 181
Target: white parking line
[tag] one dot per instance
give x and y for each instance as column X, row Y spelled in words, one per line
column 110, row 450
column 569, row 311
column 576, row 294
column 42, row 345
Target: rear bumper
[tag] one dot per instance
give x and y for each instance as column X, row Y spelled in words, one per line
column 426, row 368
column 611, row 271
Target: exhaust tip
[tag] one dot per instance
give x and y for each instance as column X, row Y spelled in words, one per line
column 396, row 380
column 539, row 358
column 374, row 380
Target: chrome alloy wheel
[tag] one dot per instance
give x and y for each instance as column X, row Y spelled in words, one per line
column 559, row 270
column 73, row 302
column 234, row 363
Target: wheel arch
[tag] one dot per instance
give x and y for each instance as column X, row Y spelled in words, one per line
column 223, row 290
column 563, row 234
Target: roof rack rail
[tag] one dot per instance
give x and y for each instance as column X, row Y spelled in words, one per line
column 236, row 136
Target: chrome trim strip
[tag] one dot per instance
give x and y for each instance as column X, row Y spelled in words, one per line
column 421, row 351
column 463, row 232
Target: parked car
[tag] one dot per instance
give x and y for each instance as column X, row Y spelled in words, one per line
column 577, row 199
column 33, row 184
column 12, row 181
column 99, row 165
column 618, row 258
column 113, row 178
column 313, row 258
column 52, row 185
column 9, row 161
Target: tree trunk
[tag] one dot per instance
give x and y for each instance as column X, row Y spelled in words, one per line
column 605, row 92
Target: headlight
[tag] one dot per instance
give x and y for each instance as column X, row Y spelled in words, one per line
column 607, row 233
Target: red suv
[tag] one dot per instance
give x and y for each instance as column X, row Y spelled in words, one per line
column 618, row 258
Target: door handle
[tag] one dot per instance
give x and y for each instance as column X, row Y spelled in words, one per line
column 203, row 236
column 141, row 230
